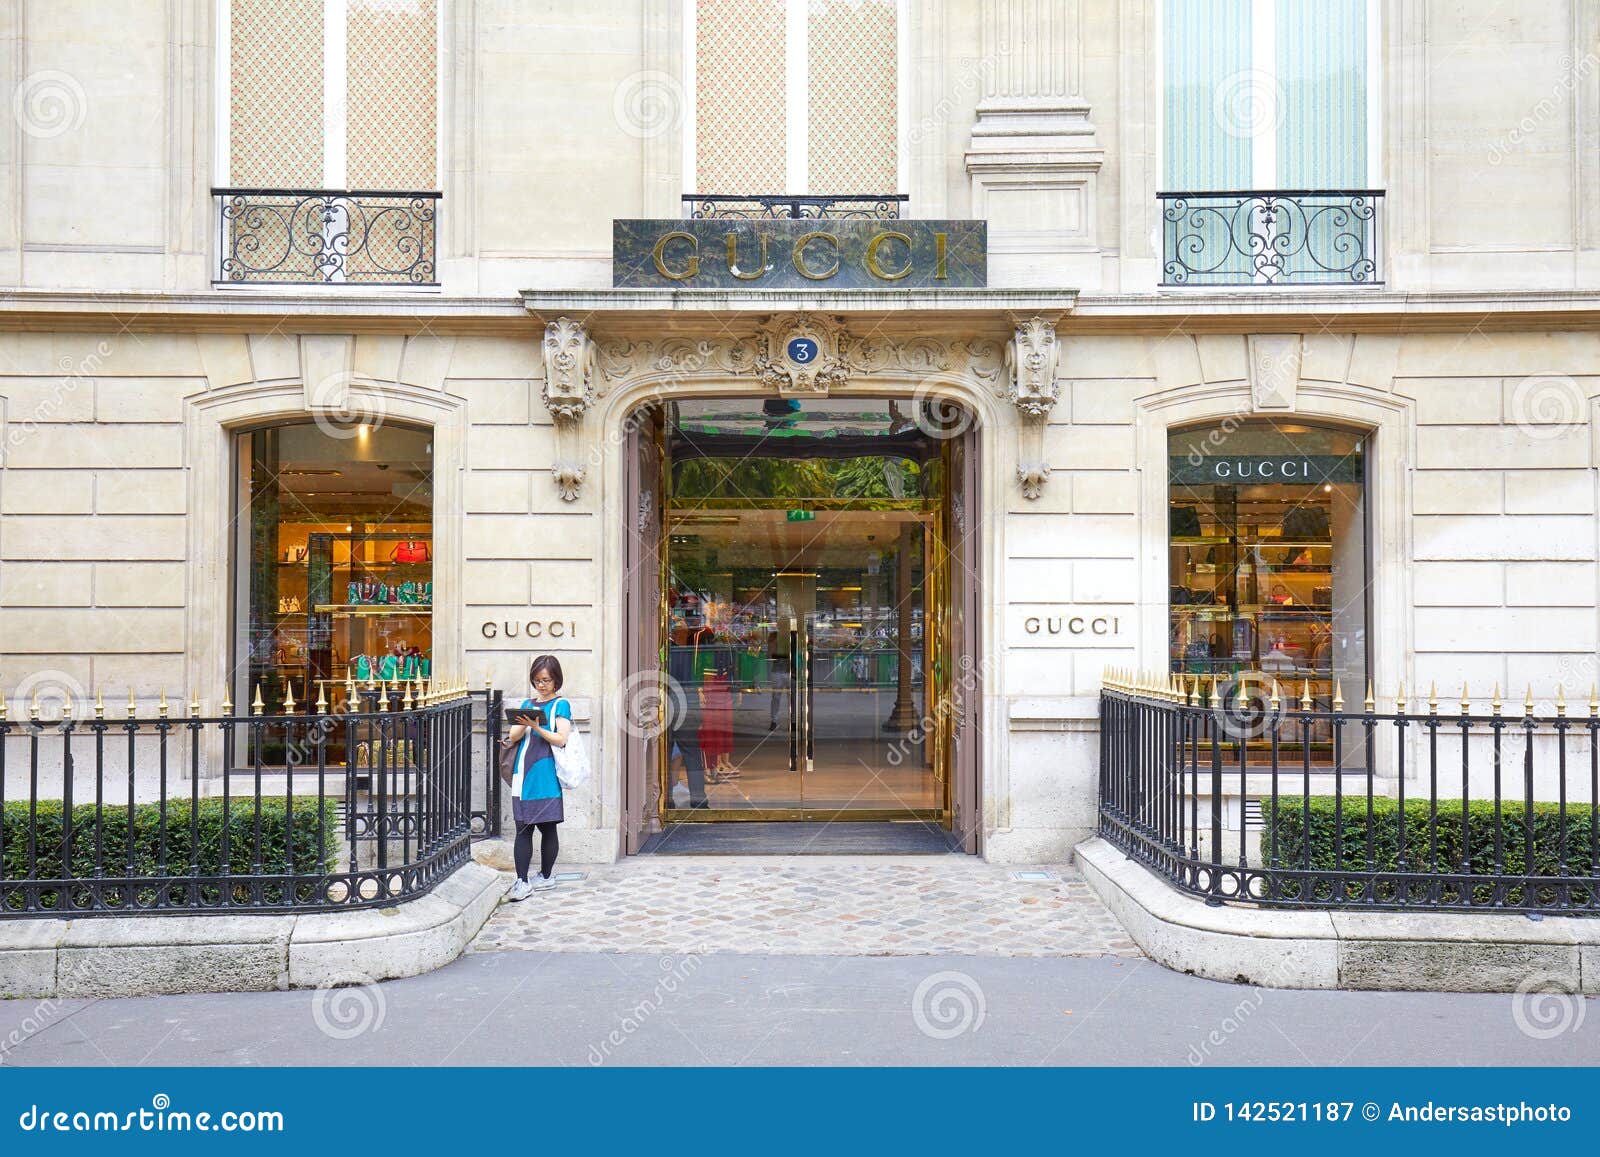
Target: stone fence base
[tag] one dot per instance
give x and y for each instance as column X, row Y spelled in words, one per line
column 1417, row 951
column 147, row 955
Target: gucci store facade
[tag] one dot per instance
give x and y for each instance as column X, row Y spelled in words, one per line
column 877, row 582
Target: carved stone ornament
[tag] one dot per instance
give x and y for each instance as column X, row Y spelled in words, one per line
column 568, row 359
column 1032, row 475
column 1031, row 359
column 568, row 393
column 803, row 353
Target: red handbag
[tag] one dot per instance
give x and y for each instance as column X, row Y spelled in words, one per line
column 411, row 551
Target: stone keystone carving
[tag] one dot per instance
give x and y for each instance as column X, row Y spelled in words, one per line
column 1031, row 386
column 803, row 353
column 568, row 393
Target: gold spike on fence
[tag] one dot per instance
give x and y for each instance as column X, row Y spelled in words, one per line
column 1433, row 699
column 1527, row 704
column 1495, row 703
column 33, row 707
column 1561, row 700
column 258, row 705
column 1466, row 699
column 1400, row 699
column 1369, row 704
column 322, row 697
column 133, row 708
column 162, row 706
column 288, row 697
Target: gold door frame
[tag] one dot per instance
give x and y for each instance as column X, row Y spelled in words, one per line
column 938, row 641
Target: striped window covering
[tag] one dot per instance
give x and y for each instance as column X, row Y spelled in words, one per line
column 1227, row 107
column 1213, row 98
column 1322, row 66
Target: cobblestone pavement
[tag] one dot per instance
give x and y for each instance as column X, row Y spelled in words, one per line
column 844, row 905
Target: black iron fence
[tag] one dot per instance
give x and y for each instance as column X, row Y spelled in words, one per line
column 1228, row 794
column 869, row 206
column 153, row 810
column 326, row 236
column 1274, row 237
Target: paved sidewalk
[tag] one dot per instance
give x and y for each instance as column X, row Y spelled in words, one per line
column 824, row 905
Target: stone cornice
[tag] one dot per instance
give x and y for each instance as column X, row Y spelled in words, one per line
column 1172, row 311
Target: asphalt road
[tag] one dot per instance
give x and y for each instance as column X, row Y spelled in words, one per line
column 528, row 1008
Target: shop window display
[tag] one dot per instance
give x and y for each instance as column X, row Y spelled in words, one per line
column 1268, row 563
column 337, row 584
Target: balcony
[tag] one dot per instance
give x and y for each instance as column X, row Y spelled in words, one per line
column 326, row 237
column 860, row 206
column 1272, row 237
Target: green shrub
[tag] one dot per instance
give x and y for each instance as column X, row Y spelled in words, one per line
column 289, row 845
column 1285, row 838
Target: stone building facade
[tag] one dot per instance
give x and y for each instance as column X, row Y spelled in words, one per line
column 1458, row 346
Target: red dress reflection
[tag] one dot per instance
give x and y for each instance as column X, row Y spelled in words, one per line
column 716, row 720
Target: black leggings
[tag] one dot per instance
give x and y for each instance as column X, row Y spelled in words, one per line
column 549, row 845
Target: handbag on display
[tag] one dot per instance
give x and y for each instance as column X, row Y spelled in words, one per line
column 352, row 592
column 363, row 668
column 409, row 669
column 427, row 594
column 1184, row 522
column 412, row 550
column 408, row 593
column 389, row 669
column 425, row 667
column 1306, row 522
column 381, row 595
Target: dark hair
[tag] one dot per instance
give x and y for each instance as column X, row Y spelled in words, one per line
column 549, row 664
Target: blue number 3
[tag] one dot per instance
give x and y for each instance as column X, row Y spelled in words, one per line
column 802, row 349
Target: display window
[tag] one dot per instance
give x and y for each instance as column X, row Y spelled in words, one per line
column 336, row 542
column 1268, row 562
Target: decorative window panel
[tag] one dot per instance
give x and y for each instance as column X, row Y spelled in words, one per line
column 831, row 126
column 275, row 107
column 740, row 96
column 392, row 49
column 852, row 102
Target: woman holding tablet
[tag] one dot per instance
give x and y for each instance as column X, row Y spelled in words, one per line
column 540, row 724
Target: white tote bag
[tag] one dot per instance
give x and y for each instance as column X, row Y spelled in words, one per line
column 572, row 760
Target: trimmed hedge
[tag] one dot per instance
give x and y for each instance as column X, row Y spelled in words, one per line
column 1287, row 825
column 289, row 845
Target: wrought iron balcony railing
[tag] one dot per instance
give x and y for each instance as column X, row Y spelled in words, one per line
column 869, row 206
column 1272, row 237
column 326, row 237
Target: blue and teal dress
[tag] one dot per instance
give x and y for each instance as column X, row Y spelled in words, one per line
column 540, row 800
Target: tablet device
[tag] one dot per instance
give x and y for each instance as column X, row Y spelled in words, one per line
column 525, row 716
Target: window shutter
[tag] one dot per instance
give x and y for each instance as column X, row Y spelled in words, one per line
column 1213, row 97
column 1321, row 64
column 276, row 97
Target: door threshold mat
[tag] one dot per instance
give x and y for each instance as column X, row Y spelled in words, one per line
column 860, row 838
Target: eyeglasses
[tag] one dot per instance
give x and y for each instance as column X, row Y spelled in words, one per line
column 544, row 681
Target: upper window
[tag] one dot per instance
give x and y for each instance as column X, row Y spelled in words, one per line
column 330, row 94
column 794, row 96
column 1268, row 94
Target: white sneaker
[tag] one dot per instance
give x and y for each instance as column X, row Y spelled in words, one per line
column 542, row 884
column 521, row 890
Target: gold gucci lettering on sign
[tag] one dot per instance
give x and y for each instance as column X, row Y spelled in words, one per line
column 530, row 629
column 874, row 264
column 690, row 267
column 800, row 265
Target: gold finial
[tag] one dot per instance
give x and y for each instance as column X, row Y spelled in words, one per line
column 162, row 707
column 1338, row 696
column 66, row 708
column 1466, row 699
column 33, row 708
column 1369, row 703
column 227, row 701
column 383, row 697
column 1594, row 701
column 288, row 696
column 1527, row 703
column 1433, row 698
column 258, row 705
column 1275, row 703
column 322, row 697
column 1400, row 699
column 194, row 707
column 406, row 702
column 1561, row 700
column 488, row 683
column 132, row 708
column 1494, row 704
column 1216, row 695
column 1306, row 702
column 2, row 705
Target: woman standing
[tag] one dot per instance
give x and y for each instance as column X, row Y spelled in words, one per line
column 538, row 805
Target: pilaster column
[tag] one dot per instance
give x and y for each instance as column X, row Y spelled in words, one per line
column 1033, row 159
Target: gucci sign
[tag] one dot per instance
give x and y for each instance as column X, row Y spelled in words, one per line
column 1069, row 626
column 563, row 629
column 781, row 253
